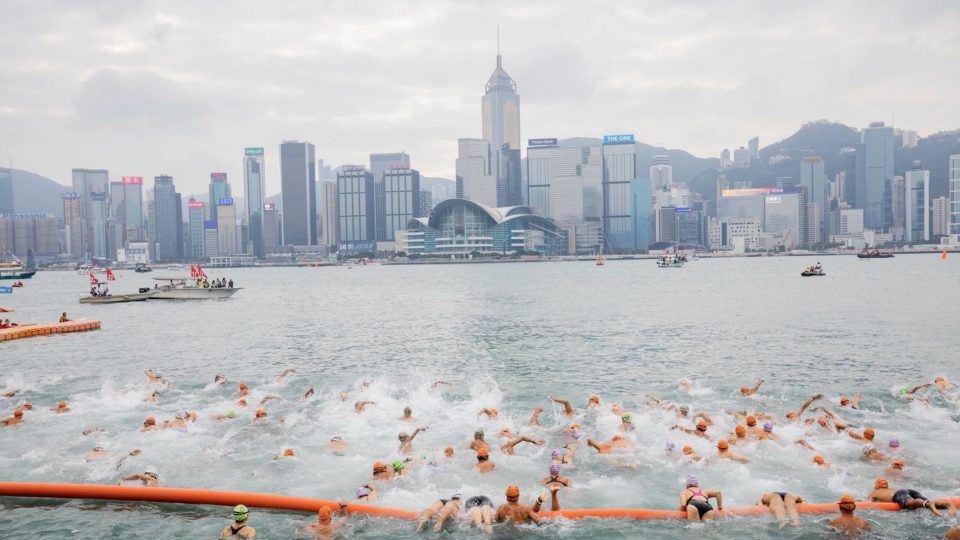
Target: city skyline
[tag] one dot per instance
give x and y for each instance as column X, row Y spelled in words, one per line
column 127, row 99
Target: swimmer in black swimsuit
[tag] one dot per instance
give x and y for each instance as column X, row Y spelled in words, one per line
column 696, row 503
column 909, row 499
column 442, row 509
column 480, row 511
column 782, row 503
column 239, row 528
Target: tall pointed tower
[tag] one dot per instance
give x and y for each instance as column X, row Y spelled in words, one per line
column 501, row 126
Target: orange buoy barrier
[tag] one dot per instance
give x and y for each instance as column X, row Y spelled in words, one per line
column 33, row 330
column 306, row 504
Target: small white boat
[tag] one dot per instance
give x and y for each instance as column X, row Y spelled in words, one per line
column 119, row 298
column 90, row 269
column 185, row 288
column 671, row 261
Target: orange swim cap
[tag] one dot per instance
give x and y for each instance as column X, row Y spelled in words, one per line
column 818, row 459
column 939, row 379
column 288, row 452
column 617, row 438
column 243, row 386
column 701, row 425
column 448, row 450
column 242, row 403
column 687, row 450
column 744, row 389
column 324, row 514
column 844, row 401
column 898, row 464
column 723, row 444
column 740, row 430
column 379, row 467
column 881, row 483
column 493, row 412
column 62, row 404
column 847, row 503
column 482, row 452
column 513, row 493
column 261, row 413
column 594, row 399
column 150, row 421
column 18, row 413
column 868, row 433
column 751, row 421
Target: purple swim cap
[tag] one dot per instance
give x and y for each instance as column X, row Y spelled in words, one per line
column 692, row 481
column 894, row 443
column 555, row 454
column 554, row 469
column 670, row 446
column 362, row 492
column 768, row 426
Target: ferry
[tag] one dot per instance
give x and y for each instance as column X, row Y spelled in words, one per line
column 13, row 268
column 874, row 254
column 185, row 288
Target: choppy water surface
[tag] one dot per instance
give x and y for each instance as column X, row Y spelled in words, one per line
column 506, row 336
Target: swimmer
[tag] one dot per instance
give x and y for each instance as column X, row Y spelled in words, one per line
column 229, row 415
column 268, row 398
column 154, row 378
column 554, row 483
column 132, row 453
column 838, row 423
column 239, row 529
column 484, row 464
column 406, row 441
column 567, row 408
column 896, row 467
column 819, row 460
column 61, row 408
column 593, row 402
column 796, row 416
column 244, row 390
column 325, row 527
column 514, row 510
column 909, row 499
column 535, row 417
column 309, row 393
column 180, row 420
column 854, row 403
column 696, row 503
column 17, row 418
column 382, row 472
column 940, row 382
column 368, row 493
column 870, row 453
column 867, row 436
column 739, row 435
column 98, row 452
column 149, row 478
column 287, row 452
column 153, row 397
column 241, row 402
column 616, row 409
column 626, row 422
column 564, row 458
column 361, row 405
column 782, row 504
column 438, row 383
column 491, row 413
column 747, row 392
column 701, row 430
column 10, row 394
column 450, row 509
column 285, row 373
column 27, row 406
column 89, row 431
column 260, row 416
column 847, row 523
column 617, row 442
column 407, row 415
column 337, row 444
column 690, row 455
column 480, row 511
column 767, row 433
column 507, row 447
column 477, row 443
column 150, row 424
column 723, row 452
column 435, row 510
column 894, row 444
column 219, row 379
column 505, row 433
column 573, row 433
column 399, row 466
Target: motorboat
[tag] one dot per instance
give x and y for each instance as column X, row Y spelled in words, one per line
column 671, row 261
column 188, row 288
column 85, row 269
column 142, row 268
column 875, row 254
column 812, row 271
column 13, row 268
column 119, row 298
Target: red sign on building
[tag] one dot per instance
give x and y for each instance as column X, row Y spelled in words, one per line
column 132, row 180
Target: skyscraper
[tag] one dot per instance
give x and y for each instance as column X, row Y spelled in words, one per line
column 401, row 187
column 379, row 164
column 355, row 221
column 227, row 227
column 953, row 174
column 195, row 219
column 166, row 240
column 564, row 183
column 87, row 183
column 116, row 230
column 741, row 158
column 661, row 172
column 133, row 207
column 219, row 189
column 619, row 170
column 329, row 213
column 501, row 127
column 848, row 168
column 6, row 191
column 271, row 229
column 898, row 196
column 255, row 195
column 475, row 178
column 940, row 224
column 754, row 146
column 814, row 179
column 299, row 187
column 917, row 208
column 875, row 178
column 72, row 224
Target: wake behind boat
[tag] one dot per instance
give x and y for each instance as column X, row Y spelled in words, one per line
column 191, row 288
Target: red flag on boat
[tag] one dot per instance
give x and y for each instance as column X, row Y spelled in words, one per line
column 93, row 279
column 110, row 276
column 193, row 271
column 200, row 272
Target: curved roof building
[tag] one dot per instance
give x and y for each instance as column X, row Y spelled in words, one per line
column 461, row 227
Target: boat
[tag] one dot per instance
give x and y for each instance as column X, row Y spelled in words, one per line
column 174, row 267
column 812, row 271
column 142, row 268
column 118, row 298
column 85, row 269
column 185, row 288
column 874, row 254
column 13, row 268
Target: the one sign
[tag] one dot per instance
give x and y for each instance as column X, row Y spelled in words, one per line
column 542, row 142
column 195, row 204
column 6, row 290
column 253, row 151
column 218, row 176
column 70, row 195
column 132, row 180
column 618, row 139
column 225, row 201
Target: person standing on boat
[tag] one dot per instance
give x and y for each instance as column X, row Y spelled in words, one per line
column 230, row 283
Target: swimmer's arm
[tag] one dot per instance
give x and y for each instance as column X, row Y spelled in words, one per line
column 703, row 415
column 501, row 513
column 856, row 400
column 718, row 496
column 567, row 408
column 683, row 429
column 683, row 501
column 130, row 477
column 308, row 393
column 533, row 516
column 807, row 403
column 805, row 444
column 756, row 387
column 439, row 382
column 918, row 387
column 415, row 433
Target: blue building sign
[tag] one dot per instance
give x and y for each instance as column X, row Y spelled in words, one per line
column 210, row 224
column 226, row 201
column 6, row 290
column 683, row 210
column 618, row 139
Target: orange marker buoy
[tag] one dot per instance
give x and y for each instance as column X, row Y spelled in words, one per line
column 943, row 255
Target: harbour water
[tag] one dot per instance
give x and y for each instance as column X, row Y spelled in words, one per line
column 505, row 336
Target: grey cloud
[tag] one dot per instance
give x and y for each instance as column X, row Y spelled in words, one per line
column 137, row 99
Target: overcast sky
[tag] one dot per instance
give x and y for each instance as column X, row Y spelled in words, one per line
column 180, row 87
